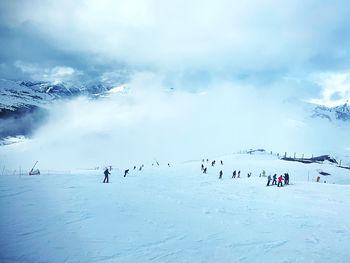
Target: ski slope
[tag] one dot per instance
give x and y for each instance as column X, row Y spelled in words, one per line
column 178, row 214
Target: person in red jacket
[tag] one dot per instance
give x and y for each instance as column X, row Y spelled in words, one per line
column 280, row 179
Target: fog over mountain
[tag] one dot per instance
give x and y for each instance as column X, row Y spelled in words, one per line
column 120, row 80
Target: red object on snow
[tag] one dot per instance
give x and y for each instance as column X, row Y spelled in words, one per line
column 318, row 179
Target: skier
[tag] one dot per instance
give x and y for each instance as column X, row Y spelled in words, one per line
column 239, row 174
column 274, row 182
column 202, row 167
column 249, row 174
column 318, row 179
column 205, row 170
column 286, row 178
column 140, row 168
column 263, row 173
column 134, row 167
column 268, row 180
column 169, row 164
column 106, row 172
column 280, row 179
column 221, row 162
column 126, row 172
column 234, row 174
column 220, row 174
column 212, row 163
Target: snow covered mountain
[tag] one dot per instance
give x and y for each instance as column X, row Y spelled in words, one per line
column 15, row 95
column 22, row 103
column 341, row 112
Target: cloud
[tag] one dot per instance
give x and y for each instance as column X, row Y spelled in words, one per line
column 55, row 74
column 237, row 36
column 335, row 88
column 153, row 122
column 203, row 77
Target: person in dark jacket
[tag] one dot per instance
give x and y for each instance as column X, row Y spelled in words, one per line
column 286, row 178
column 106, row 172
column 126, row 172
column 234, row 174
column 220, row 174
column 205, row 170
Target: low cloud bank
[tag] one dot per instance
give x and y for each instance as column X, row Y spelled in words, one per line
column 152, row 122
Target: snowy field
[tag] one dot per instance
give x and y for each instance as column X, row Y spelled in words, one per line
column 178, row 214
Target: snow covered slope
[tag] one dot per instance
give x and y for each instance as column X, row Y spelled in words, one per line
column 177, row 214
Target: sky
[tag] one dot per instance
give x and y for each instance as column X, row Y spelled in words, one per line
column 204, row 76
column 191, row 42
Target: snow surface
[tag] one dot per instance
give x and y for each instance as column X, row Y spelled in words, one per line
column 178, row 214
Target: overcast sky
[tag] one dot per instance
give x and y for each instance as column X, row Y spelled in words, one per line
column 301, row 44
column 239, row 70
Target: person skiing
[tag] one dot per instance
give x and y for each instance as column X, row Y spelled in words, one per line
column 126, row 172
column 239, row 174
column 234, row 174
column 274, row 182
column 249, row 174
column 318, row 179
column 222, row 163
column 220, row 174
column 205, row 170
column 213, row 163
column 106, row 172
column 202, row 167
column 286, row 178
column 268, row 180
column 280, row 179
column 263, row 173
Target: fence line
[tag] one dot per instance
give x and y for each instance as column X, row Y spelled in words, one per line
column 42, row 172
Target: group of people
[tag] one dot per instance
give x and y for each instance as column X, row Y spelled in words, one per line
column 107, row 171
column 235, row 174
column 205, row 169
column 274, row 180
column 280, row 180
